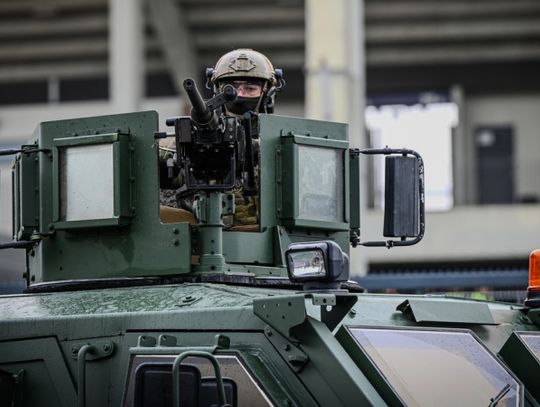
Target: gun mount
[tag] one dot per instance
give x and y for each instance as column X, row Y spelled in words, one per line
column 215, row 154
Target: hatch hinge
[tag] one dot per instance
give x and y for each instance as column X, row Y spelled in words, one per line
column 294, row 357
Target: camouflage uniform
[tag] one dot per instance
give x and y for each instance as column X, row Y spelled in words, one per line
column 170, row 193
column 246, row 209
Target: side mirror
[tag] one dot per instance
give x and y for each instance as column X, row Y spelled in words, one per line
column 404, row 201
column 401, row 196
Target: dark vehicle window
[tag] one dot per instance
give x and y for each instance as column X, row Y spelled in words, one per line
column 150, row 382
column 153, row 387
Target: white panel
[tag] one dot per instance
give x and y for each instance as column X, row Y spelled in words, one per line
column 87, row 182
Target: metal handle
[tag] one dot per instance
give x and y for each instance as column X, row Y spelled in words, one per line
column 84, row 352
column 81, row 373
column 176, row 375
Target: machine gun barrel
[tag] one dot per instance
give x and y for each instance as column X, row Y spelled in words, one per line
column 200, row 113
column 203, row 111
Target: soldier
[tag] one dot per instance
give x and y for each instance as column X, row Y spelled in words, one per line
column 255, row 79
column 256, row 82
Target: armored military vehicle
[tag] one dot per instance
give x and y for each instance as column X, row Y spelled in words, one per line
column 129, row 303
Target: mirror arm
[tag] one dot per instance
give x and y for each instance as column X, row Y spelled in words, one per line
column 21, row 244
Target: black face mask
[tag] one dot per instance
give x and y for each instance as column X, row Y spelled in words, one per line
column 242, row 104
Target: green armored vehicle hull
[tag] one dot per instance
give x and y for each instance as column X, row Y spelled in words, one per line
column 127, row 308
column 278, row 347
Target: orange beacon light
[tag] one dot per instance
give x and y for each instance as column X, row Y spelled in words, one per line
column 533, row 290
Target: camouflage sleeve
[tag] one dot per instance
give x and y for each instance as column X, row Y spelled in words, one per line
column 246, row 210
column 170, row 177
column 247, row 207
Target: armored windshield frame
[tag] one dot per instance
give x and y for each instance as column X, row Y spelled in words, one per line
column 523, row 357
column 119, row 177
column 292, row 190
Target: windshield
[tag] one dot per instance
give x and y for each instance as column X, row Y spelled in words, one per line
column 533, row 342
column 442, row 368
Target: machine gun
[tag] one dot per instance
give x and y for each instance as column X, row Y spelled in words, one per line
column 215, row 155
column 214, row 151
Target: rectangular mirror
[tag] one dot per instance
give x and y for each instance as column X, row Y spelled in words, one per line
column 404, row 208
column 401, row 201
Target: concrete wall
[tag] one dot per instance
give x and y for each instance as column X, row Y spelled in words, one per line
column 466, row 233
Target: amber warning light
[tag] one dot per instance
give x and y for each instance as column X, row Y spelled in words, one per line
column 533, row 291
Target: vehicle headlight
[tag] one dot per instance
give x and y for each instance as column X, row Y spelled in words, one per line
column 317, row 262
column 307, row 264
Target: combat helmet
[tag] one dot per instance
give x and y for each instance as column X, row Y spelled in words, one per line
column 245, row 63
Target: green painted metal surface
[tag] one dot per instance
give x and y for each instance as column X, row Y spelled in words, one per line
column 127, row 300
column 47, row 380
column 437, row 311
column 276, row 174
column 296, row 359
column 523, row 361
column 109, row 252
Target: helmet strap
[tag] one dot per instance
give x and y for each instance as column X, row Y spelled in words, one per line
column 262, row 99
column 209, row 85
